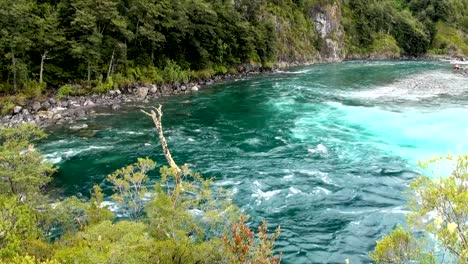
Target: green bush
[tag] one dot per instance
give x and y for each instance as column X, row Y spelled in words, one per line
column 439, row 207
column 173, row 73
column 220, row 69
column 6, row 106
column 203, row 74
column 33, row 89
column 64, row 91
column 103, row 87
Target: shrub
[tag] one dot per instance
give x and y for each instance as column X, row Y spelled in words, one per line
column 64, row 91
column 439, row 207
column 103, row 87
column 34, row 89
column 173, row 73
column 220, row 69
column 6, row 106
column 203, row 74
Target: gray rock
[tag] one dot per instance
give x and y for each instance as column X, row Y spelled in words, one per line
column 89, row 103
column 115, row 107
column 36, row 106
column 142, row 92
column 153, row 89
column 118, row 92
column 57, row 116
column 6, row 118
column 195, row 88
column 45, row 105
column 45, row 114
column 25, row 112
column 52, row 101
column 63, row 103
column 17, row 109
column 183, row 88
column 80, row 113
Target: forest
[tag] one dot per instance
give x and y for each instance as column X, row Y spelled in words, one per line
column 105, row 44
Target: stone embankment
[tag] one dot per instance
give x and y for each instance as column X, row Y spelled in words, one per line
column 51, row 110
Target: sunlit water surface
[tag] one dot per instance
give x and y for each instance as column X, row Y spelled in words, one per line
column 325, row 151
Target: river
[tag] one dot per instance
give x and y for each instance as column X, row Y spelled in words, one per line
column 326, row 151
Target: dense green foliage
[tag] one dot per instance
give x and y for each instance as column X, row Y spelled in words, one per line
column 412, row 23
column 440, row 208
column 185, row 222
column 107, row 44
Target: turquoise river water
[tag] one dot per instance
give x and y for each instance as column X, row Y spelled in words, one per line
column 326, row 151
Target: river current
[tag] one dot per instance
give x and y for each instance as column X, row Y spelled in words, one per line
column 326, row 151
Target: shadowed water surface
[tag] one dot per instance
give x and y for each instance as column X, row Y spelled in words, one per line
column 325, row 151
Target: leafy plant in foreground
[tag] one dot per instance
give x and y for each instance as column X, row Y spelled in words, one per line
column 440, row 208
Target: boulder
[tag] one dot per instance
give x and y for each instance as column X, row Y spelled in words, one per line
column 153, row 89
column 142, row 92
column 115, row 107
column 195, row 88
column 89, row 103
column 45, row 114
column 17, row 109
column 183, row 88
column 57, row 116
column 36, row 106
column 52, row 101
column 45, row 105
column 80, row 114
column 63, row 103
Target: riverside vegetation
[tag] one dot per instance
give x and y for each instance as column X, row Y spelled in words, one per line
column 182, row 219
column 80, row 47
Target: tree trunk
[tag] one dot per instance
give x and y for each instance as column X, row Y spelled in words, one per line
column 110, row 65
column 89, row 72
column 43, row 58
column 157, row 117
column 14, row 70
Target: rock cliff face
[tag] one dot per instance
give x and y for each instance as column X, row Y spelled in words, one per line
column 327, row 21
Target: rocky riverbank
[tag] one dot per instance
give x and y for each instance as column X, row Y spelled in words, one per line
column 50, row 111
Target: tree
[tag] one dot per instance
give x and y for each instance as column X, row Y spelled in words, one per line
column 439, row 207
column 23, row 171
column 49, row 36
column 129, row 185
column 17, row 225
column 146, row 19
column 15, row 31
column 93, row 22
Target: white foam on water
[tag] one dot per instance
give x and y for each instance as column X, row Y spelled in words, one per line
column 227, row 183
column 253, row 141
column 293, row 191
column 412, row 134
column 319, row 149
column 294, row 72
column 58, row 156
column 416, row 87
column 265, row 195
column 323, row 176
column 130, row 133
column 261, row 195
column 282, row 140
column 320, row 190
